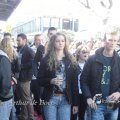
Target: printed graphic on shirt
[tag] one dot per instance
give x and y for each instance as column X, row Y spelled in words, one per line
column 106, row 76
column 105, row 81
column 60, row 73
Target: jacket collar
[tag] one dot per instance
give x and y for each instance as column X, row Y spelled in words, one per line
column 22, row 49
column 99, row 52
column 3, row 53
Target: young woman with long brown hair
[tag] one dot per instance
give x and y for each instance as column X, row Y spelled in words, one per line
column 58, row 75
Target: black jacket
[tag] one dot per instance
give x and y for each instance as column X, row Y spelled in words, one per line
column 38, row 56
column 26, row 64
column 45, row 76
column 92, row 74
column 39, row 53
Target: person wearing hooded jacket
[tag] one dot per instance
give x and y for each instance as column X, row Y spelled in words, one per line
column 100, row 80
column 6, row 91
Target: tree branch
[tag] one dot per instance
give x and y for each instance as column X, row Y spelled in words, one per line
column 105, row 5
column 110, row 4
column 102, row 3
column 85, row 5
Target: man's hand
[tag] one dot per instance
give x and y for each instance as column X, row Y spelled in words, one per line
column 75, row 109
column 91, row 103
column 114, row 96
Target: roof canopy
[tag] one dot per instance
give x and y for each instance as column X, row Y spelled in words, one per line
column 7, row 7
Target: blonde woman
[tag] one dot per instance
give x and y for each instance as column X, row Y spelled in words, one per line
column 82, row 54
column 7, row 47
column 6, row 92
column 57, row 74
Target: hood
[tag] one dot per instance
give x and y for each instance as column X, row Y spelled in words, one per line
column 3, row 53
column 100, row 51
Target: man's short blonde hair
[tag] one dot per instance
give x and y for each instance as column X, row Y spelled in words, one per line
column 111, row 30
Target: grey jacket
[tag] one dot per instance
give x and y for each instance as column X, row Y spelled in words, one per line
column 6, row 91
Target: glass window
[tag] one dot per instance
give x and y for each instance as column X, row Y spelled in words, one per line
column 76, row 24
column 46, row 21
column 55, row 22
column 67, row 24
column 37, row 24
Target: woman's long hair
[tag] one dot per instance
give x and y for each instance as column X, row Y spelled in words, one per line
column 52, row 61
column 7, row 47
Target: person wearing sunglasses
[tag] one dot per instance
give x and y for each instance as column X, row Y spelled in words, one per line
column 82, row 54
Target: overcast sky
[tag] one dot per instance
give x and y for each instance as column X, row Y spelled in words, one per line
column 31, row 8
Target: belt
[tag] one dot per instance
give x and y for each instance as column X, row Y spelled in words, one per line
column 58, row 94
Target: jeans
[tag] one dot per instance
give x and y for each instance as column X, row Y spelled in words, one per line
column 104, row 113
column 5, row 109
column 58, row 109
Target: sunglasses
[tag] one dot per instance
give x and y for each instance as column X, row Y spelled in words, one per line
column 84, row 52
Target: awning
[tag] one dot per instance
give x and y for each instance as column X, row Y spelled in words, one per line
column 7, row 7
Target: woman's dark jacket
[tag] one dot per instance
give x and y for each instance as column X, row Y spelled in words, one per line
column 92, row 74
column 45, row 76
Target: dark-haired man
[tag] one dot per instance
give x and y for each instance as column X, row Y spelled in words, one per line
column 26, row 56
column 51, row 31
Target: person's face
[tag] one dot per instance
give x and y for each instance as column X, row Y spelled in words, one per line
column 111, row 41
column 51, row 33
column 83, row 54
column 20, row 42
column 37, row 41
column 59, row 43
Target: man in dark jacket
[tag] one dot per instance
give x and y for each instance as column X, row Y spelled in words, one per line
column 25, row 56
column 35, row 88
column 100, row 80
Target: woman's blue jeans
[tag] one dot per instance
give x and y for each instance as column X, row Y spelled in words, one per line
column 5, row 109
column 58, row 109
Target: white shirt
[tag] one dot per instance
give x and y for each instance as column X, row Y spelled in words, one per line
column 81, row 65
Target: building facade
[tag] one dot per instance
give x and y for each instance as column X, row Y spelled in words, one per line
column 41, row 24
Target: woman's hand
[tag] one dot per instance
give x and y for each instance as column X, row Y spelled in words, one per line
column 56, row 81
column 75, row 109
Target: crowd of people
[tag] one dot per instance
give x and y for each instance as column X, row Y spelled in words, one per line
column 48, row 82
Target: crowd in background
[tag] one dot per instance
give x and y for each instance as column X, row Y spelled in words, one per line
column 48, row 82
